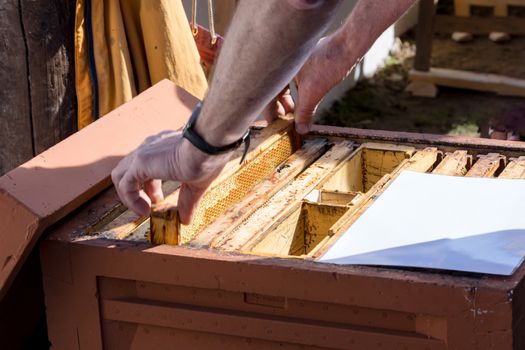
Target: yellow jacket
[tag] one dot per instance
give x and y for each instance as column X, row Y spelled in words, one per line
column 122, row 47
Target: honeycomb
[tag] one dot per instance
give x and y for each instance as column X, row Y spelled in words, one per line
column 218, row 199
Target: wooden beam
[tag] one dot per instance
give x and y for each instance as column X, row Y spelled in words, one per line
column 15, row 115
column 499, row 84
column 454, row 164
column 514, row 170
column 424, row 34
column 338, row 197
column 165, row 224
column 300, row 232
column 366, row 166
column 424, row 160
column 273, row 329
column 284, row 201
column 487, row 165
column 379, row 160
column 479, row 25
column 49, row 29
column 261, row 193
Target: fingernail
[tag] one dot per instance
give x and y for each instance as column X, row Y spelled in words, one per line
column 302, row 128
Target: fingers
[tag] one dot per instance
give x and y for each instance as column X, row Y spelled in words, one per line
column 153, row 188
column 270, row 113
column 305, row 110
column 131, row 194
column 287, row 102
column 168, row 157
column 278, row 107
column 304, row 116
column 129, row 187
column 189, row 197
column 191, row 194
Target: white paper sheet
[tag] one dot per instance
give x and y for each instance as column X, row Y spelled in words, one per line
column 440, row 222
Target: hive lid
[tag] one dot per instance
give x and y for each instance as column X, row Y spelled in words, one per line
column 54, row 183
column 439, row 222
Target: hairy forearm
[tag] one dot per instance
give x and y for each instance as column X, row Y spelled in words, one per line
column 368, row 20
column 267, row 43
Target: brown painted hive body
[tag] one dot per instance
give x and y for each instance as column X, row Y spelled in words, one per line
column 249, row 278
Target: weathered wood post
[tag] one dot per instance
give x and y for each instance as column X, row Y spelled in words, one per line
column 37, row 93
column 37, row 110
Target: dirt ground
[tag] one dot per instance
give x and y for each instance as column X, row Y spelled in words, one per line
column 382, row 103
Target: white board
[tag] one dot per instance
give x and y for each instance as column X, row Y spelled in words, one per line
column 439, row 222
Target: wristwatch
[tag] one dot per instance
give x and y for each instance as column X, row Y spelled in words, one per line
column 196, row 140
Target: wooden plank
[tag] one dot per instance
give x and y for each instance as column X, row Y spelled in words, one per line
column 49, row 28
column 454, row 164
column 479, row 25
column 448, row 143
column 338, row 197
column 487, row 165
column 15, row 118
column 423, row 161
column 488, row 3
column 514, row 170
column 319, row 218
column 284, row 201
column 165, row 225
column 366, row 166
column 424, row 35
column 261, row 193
column 348, row 176
column 381, row 161
column 286, row 237
column 300, row 232
column 268, row 149
column 471, row 80
column 278, row 329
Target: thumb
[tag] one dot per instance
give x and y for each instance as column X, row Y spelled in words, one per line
column 305, row 112
column 189, row 197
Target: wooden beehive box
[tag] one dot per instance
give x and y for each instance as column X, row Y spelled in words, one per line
column 245, row 273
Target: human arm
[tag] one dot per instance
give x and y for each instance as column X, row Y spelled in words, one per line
column 267, row 43
column 334, row 56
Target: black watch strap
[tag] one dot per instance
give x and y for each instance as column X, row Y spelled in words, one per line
column 196, row 140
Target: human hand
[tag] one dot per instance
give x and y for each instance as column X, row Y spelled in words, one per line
column 279, row 106
column 328, row 65
column 166, row 156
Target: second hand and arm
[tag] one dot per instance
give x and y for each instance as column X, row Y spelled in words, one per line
column 267, row 44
